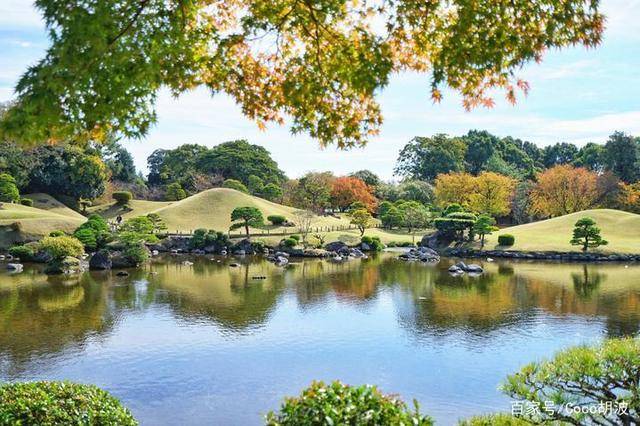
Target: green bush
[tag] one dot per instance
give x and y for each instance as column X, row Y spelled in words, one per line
column 8, row 190
column 506, row 240
column 24, row 252
column 373, row 242
column 289, row 242
column 60, row 403
column 60, row 247
column 341, row 404
column 88, row 238
column 199, row 239
column 136, row 251
column 26, row 202
column 295, row 237
column 56, row 233
column 122, row 197
column 175, row 192
column 94, row 233
column 235, row 184
column 276, row 219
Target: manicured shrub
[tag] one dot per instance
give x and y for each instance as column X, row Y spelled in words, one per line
column 24, row 252
column 276, row 220
column 136, row 251
column 60, row 247
column 26, row 202
column 94, row 233
column 235, row 184
column 289, row 242
column 341, row 404
column 122, row 197
column 295, row 237
column 8, row 190
column 506, row 240
column 373, row 242
column 199, row 239
column 88, row 238
column 60, row 403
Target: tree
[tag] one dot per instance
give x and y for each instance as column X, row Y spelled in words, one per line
column 481, row 146
column 562, row 190
column 67, row 170
column 592, row 156
column 235, row 184
column 122, row 198
column 347, row 190
column 120, row 163
column 313, row 191
column 425, row 158
column 492, row 194
column 414, row 216
column 174, row 165
column 454, row 188
column 8, row 190
column 330, row 62
column 622, row 156
column 157, row 222
column 272, row 192
column 246, row 217
column 587, row 234
column 175, row 192
column 521, row 202
column 238, row 160
column 392, row 218
column 15, row 162
column 362, row 219
column 416, row 190
column 484, row 225
column 629, row 197
column 304, row 220
column 605, row 375
column 559, row 153
column 255, row 185
column 368, row 177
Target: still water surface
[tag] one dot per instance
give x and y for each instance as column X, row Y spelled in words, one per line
column 210, row 344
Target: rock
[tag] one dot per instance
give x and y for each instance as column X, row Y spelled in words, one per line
column 281, row 254
column 118, row 260
column 155, row 252
column 187, row 263
column 281, row 261
column 365, row 247
column 239, row 252
column 234, row 265
column 198, row 252
column 100, row 261
column 426, row 254
column 122, row 274
column 336, row 246
column 474, row 268
column 315, row 253
column 455, row 269
column 243, row 247
column 354, row 252
column 17, row 267
column 67, row 265
column 461, row 265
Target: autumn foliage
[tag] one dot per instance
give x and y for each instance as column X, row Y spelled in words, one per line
column 564, row 189
column 489, row 192
column 347, row 190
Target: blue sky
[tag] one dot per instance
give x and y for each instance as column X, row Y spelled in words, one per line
column 577, row 95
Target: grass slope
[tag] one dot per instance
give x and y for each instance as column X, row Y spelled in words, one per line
column 212, row 209
column 135, row 208
column 47, row 202
column 621, row 229
column 33, row 222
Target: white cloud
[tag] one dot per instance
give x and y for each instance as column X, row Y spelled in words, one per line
column 19, row 14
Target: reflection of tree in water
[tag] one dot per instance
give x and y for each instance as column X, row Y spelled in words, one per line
column 234, row 298
column 587, row 282
column 48, row 317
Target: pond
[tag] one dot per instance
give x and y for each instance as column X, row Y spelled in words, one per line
column 209, row 343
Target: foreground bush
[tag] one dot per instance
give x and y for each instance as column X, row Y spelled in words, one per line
column 60, row 403
column 276, row 219
column 506, row 240
column 374, row 243
column 60, row 247
column 340, row 404
column 582, row 385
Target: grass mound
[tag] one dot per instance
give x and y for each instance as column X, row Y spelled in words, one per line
column 621, row 229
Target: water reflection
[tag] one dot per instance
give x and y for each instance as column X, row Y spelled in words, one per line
column 211, row 309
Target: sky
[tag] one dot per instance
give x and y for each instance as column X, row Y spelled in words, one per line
column 577, row 95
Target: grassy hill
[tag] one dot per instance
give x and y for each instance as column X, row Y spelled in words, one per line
column 133, row 209
column 33, row 223
column 621, row 229
column 47, row 202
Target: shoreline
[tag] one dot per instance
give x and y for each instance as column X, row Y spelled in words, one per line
column 541, row 255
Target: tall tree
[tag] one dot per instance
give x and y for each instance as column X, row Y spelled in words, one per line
column 591, row 156
column 562, row 190
column 559, row 153
column 313, row 191
column 481, row 146
column 347, row 190
column 425, row 158
column 329, row 61
column 622, row 156
column 454, row 188
column 245, row 217
column 368, row 177
column 492, row 194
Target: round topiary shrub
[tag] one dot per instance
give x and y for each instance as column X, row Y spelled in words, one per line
column 122, row 197
column 276, row 219
column 24, row 252
column 26, row 202
column 341, row 404
column 60, row 403
column 295, row 237
column 506, row 240
column 290, row 242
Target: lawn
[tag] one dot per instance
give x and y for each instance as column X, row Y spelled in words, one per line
column 621, row 229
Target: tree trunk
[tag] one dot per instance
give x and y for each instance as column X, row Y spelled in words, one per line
column 246, row 228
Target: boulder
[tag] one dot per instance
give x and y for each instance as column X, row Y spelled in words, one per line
column 426, row 254
column 67, row 265
column 365, row 247
column 474, row 268
column 122, row 274
column 242, row 247
column 455, row 270
column 336, row 246
column 118, row 260
column 100, row 261
column 16, row 267
column 281, row 260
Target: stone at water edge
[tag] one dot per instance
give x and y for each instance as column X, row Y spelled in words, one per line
column 336, row 246
column 100, row 261
column 17, row 267
column 475, row 269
